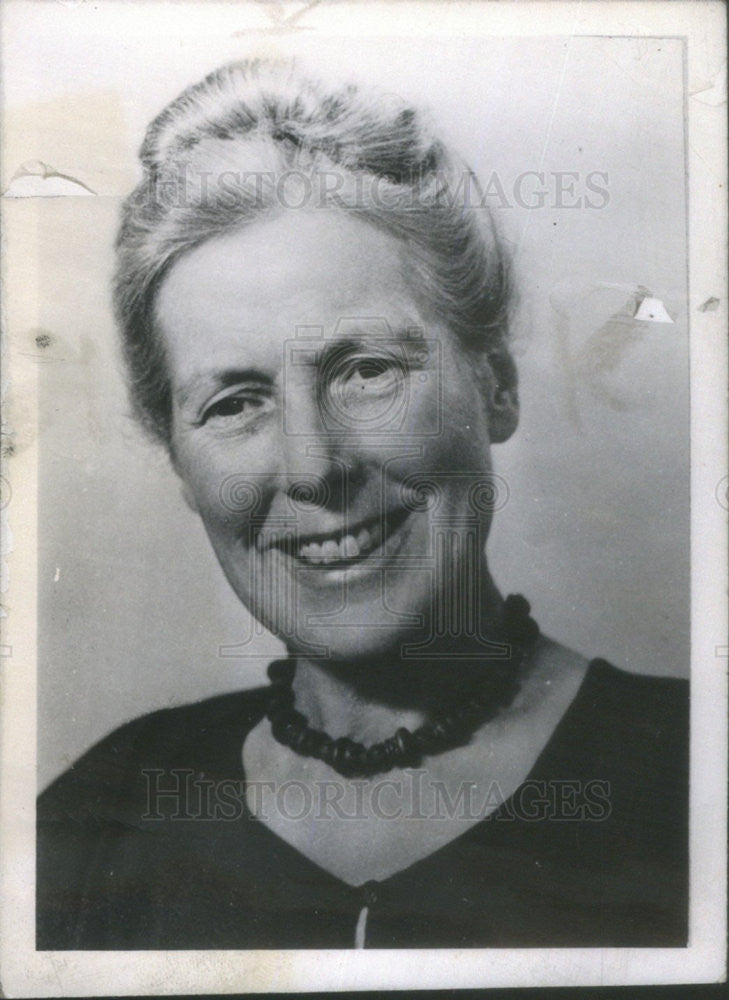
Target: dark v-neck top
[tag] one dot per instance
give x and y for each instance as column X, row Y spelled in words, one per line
column 591, row 850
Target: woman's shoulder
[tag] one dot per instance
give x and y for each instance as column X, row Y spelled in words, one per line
column 626, row 726
column 645, row 699
column 614, row 696
column 197, row 736
column 632, row 727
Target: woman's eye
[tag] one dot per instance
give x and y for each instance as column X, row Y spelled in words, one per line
column 369, row 375
column 372, row 368
column 238, row 408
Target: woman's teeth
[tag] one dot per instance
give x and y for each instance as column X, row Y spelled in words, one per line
column 348, row 547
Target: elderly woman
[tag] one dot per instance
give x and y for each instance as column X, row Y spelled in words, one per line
column 315, row 317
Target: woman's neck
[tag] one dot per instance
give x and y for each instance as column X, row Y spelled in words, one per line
column 368, row 700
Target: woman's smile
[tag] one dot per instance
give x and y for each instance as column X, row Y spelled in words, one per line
column 348, row 545
column 352, row 557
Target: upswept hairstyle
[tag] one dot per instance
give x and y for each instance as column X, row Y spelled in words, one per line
column 255, row 138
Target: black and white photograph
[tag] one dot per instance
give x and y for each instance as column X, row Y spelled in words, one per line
column 365, row 492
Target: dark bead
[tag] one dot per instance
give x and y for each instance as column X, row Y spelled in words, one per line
column 358, row 762
column 409, row 748
column 377, row 757
column 439, row 732
column 516, row 608
column 518, row 625
column 344, row 754
column 421, row 736
column 403, row 737
column 449, row 723
column 281, row 703
column 307, row 742
column 280, row 718
column 391, row 750
column 278, row 727
column 320, row 744
column 290, row 734
column 300, row 739
column 289, row 717
column 281, row 671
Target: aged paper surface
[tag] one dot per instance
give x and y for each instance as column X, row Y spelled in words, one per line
column 597, row 133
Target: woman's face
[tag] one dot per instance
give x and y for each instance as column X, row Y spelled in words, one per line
column 319, row 412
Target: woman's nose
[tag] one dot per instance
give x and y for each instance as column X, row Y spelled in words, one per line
column 313, row 468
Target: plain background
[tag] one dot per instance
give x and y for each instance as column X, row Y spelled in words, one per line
column 133, row 609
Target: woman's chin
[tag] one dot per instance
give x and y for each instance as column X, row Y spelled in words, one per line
column 350, row 644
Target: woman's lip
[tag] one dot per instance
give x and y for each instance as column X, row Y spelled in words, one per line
column 288, row 540
column 396, row 529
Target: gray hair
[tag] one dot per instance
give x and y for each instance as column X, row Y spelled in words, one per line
column 221, row 155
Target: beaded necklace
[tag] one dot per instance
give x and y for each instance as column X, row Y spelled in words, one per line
column 444, row 731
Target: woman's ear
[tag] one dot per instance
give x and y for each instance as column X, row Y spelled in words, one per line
column 502, row 395
column 503, row 412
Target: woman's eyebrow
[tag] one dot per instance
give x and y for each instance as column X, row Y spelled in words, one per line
column 357, row 339
column 216, row 380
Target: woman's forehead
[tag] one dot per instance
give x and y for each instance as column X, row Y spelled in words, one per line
column 322, row 272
